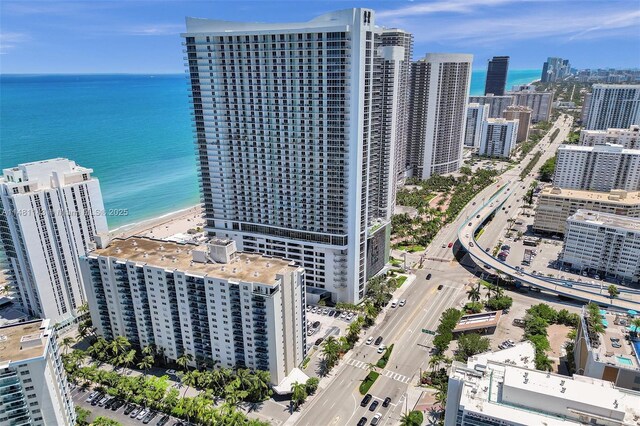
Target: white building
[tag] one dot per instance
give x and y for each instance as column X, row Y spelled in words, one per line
column 523, row 115
column 439, row 92
column 628, row 138
column 476, row 114
column 497, row 104
column 498, row 137
column 604, row 243
column 33, row 384
column 50, row 212
column 597, row 168
column 613, row 106
column 211, row 302
column 503, row 388
column 541, row 103
column 289, row 139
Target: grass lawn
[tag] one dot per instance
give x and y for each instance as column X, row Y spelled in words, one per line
column 368, row 382
column 411, row 249
column 400, row 281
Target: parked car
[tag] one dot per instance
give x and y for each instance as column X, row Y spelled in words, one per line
column 374, row 405
column 378, row 341
column 147, row 419
column 318, row 341
column 386, row 402
column 92, row 395
column 382, row 348
column 362, row 421
column 163, row 421
column 365, row 400
column 350, row 316
column 325, row 311
column 135, row 412
column 376, row 419
column 142, row 414
column 428, row 276
column 402, row 302
column 129, row 408
column 104, row 400
column 316, row 324
column 440, row 286
column 343, row 315
column 450, row 245
column 369, row 340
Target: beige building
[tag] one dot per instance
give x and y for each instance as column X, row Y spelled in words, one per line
column 523, row 115
column 555, row 205
column 628, row 138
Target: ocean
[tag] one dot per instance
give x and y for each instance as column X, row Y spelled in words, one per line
column 134, row 131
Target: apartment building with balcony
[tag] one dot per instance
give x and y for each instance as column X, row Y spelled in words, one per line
column 476, row 115
column 50, row 213
column 541, row 103
column 613, row 106
column 555, row 205
column 597, row 168
column 439, row 93
column 291, row 155
column 33, row 384
column 497, row 104
column 498, row 137
column 523, row 115
column 628, row 138
column 210, row 301
column 603, row 243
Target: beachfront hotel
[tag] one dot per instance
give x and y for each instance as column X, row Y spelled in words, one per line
column 33, row 384
column 439, row 91
column 50, row 213
column 504, row 388
column 209, row 301
column 294, row 142
column 612, row 106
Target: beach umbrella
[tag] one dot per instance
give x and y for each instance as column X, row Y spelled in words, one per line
column 632, row 313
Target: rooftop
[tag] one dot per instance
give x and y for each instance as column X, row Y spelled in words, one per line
column 478, row 321
column 606, row 219
column 608, row 147
column 171, row 255
column 23, row 341
column 45, row 174
column 616, row 196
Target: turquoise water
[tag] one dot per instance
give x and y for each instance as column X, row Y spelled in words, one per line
column 133, row 130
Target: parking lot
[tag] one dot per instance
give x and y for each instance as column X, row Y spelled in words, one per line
column 323, row 322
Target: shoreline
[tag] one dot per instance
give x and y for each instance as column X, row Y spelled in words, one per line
column 163, row 226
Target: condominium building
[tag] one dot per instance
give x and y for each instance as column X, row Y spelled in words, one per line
column 603, row 243
column 498, row 137
column 503, row 388
column 497, row 104
column 555, row 205
column 497, row 69
column 584, row 111
column 607, row 356
column 476, row 115
column 613, row 106
column 287, row 129
column 555, row 69
column 597, row 168
column 50, row 212
column 541, row 103
column 439, row 92
column 33, row 384
column 400, row 38
column 628, row 138
column 523, row 115
column 209, row 301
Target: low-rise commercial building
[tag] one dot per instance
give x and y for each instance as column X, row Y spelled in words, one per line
column 209, row 301
column 603, row 243
column 555, row 205
column 503, row 388
column 597, row 168
column 523, row 115
column 498, row 137
column 476, row 115
column 628, row 138
column 33, row 384
column 608, row 356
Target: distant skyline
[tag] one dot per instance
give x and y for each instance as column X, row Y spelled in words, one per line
column 39, row 37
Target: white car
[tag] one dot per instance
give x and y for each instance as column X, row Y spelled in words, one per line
column 350, row 316
column 369, row 340
column 343, row 315
column 325, row 311
column 382, row 348
column 402, row 302
column 376, row 419
column 142, row 414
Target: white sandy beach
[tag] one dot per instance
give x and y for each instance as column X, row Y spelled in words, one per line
column 163, row 226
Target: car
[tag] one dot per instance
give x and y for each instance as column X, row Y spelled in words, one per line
column 129, row 409
column 316, row 324
column 163, row 421
column 362, row 421
column 374, row 405
column 325, row 311
column 596, row 276
column 382, row 348
column 511, row 342
column 477, row 216
column 440, row 287
column 318, row 341
column 147, row 419
column 402, row 302
column 428, row 276
column 469, row 223
column 376, row 419
column 584, row 274
column 104, row 401
column 614, row 339
column 142, row 414
column 501, row 346
column 97, row 399
column 332, row 313
column 394, row 303
column 343, row 315
column 616, row 345
column 92, row 395
column 308, row 308
column 110, row 403
column 365, row 400
column 444, row 246
column 378, row 341
column 369, row 340
column 450, row 245
column 171, row 372
column 314, row 309
column 386, row 402
column 135, row 412
column 350, row 316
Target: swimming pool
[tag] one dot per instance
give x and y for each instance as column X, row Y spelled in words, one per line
column 636, row 348
column 625, row 361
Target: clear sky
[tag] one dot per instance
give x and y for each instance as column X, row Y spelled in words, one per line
column 143, row 36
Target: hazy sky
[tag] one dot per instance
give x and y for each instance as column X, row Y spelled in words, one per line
column 143, row 36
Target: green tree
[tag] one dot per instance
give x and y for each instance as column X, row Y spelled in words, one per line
column 146, row 363
column 82, row 416
column 184, row 360
column 474, row 294
column 471, row 344
column 613, row 292
column 298, row 395
column 412, row 418
column 105, row 421
column 535, row 326
column 312, row 385
column 67, row 342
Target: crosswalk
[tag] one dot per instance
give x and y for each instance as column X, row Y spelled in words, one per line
column 390, row 374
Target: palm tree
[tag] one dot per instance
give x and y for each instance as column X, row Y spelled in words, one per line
column 473, row 294
column 613, row 292
column 146, row 363
column 435, row 361
column 184, row 360
column 119, row 345
column 298, row 395
column 636, row 324
column 67, row 342
column 149, row 350
column 128, row 359
column 372, row 367
column 82, row 309
column 330, row 350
